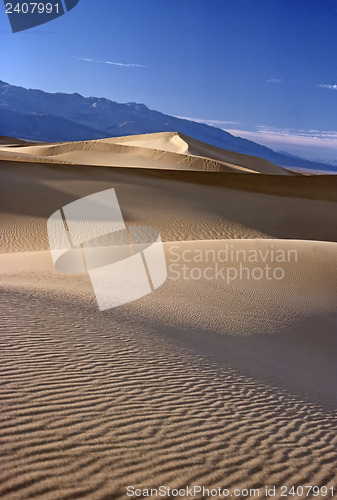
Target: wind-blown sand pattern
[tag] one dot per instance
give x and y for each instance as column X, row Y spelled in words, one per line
column 200, row 383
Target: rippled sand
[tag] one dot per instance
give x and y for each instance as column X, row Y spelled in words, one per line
column 202, row 382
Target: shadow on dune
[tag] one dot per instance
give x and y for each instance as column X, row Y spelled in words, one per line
column 303, row 208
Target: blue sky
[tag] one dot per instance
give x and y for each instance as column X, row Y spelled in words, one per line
column 264, row 69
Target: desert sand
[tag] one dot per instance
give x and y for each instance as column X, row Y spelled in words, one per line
column 163, row 150
column 206, row 382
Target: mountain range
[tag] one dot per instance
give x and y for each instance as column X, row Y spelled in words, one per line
column 36, row 115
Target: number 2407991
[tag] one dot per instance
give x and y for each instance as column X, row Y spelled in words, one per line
column 32, row 8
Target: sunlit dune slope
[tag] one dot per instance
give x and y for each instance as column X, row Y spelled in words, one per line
column 180, row 143
column 167, row 150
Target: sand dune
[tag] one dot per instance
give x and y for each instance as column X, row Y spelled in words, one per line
column 209, row 303
column 164, row 391
column 211, row 382
column 12, row 141
column 180, row 143
column 183, row 205
column 164, row 150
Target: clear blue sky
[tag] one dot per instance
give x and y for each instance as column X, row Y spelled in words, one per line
column 268, row 66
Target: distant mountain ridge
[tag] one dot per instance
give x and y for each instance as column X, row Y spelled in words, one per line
column 36, row 115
